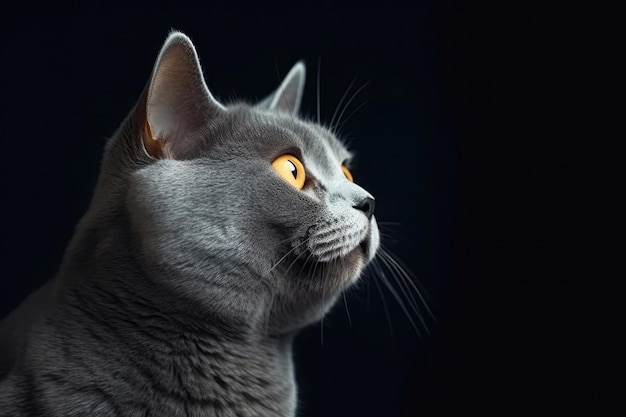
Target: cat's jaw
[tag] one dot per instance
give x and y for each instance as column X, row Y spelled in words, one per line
column 336, row 252
column 310, row 285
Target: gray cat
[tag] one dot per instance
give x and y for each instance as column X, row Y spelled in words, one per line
column 214, row 235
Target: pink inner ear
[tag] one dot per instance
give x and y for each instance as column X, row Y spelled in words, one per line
column 178, row 102
column 289, row 94
column 163, row 119
column 153, row 146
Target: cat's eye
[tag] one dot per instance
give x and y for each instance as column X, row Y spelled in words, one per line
column 290, row 169
column 347, row 173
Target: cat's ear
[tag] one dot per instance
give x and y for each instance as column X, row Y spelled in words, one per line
column 288, row 95
column 176, row 102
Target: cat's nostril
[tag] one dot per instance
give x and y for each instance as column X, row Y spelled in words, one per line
column 366, row 206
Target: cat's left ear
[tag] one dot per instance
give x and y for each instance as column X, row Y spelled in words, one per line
column 288, row 95
column 176, row 103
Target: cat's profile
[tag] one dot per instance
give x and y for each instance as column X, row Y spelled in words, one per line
column 214, row 235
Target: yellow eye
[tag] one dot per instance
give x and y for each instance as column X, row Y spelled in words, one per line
column 347, row 173
column 291, row 169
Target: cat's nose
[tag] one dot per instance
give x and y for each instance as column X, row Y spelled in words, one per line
column 366, row 206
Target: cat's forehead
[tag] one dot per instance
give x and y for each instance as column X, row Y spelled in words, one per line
column 273, row 134
column 320, row 143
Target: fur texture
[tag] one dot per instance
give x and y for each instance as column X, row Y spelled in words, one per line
column 195, row 264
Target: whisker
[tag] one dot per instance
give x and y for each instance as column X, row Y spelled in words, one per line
column 343, row 97
column 287, row 254
column 267, row 314
column 388, row 229
column 289, row 239
column 409, row 279
column 278, row 79
column 395, row 294
column 405, row 288
column 339, row 124
column 345, row 302
column 376, row 266
column 368, row 301
column 389, row 223
column 410, row 298
column 333, row 127
column 293, row 262
column 401, row 275
column 308, row 258
column 323, row 307
column 319, row 65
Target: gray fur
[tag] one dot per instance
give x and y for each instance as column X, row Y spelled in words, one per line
column 195, row 264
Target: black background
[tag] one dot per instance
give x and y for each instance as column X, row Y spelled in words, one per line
column 483, row 132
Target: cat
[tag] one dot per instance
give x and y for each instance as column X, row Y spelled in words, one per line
column 215, row 233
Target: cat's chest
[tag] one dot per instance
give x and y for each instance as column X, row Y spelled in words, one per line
column 200, row 378
column 218, row 386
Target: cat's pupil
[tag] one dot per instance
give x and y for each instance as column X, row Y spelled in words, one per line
column 294, row 170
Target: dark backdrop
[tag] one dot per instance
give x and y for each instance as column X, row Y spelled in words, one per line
column 482, row 132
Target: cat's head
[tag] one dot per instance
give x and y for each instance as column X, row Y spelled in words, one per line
column 245, row 210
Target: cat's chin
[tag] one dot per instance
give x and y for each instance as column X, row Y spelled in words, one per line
column 347, row 268
column 354, row 264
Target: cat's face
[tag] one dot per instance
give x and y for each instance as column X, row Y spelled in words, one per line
column 244, row 210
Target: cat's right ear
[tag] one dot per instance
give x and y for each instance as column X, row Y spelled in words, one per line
column 176, row 103
column 288, row 96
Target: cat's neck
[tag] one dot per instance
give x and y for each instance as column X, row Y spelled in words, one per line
column 104, row 263
column 195, row 359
